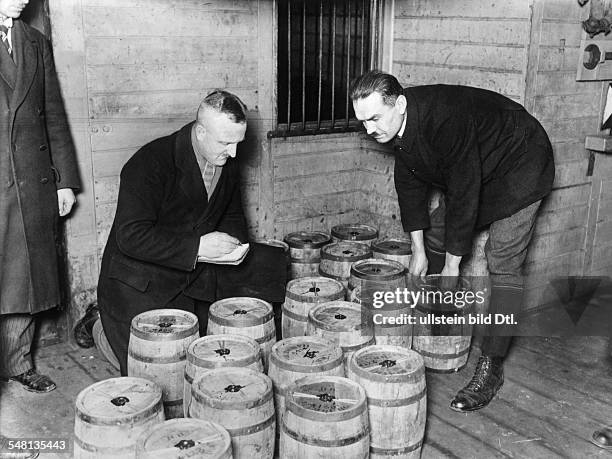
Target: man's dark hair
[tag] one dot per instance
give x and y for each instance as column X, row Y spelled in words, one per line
column 226, row 102
column 376, row 81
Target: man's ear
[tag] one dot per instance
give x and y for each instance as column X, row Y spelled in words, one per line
column 200, row 130
column 401, row 103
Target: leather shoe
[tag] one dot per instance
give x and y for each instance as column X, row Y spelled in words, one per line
column 33, row 381
column 83, row 329
column 487, row 380
column 603, row 438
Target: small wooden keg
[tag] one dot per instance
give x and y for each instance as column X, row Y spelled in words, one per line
column 355, row 232
column 294, row 358
column 245, row 316
column 158, row 349
column 445, row 347
column 343, row 323
column 325, row 417
column 337, row 258
column 110, row 415
column 377, row 275
column 185, row 438
column 302, row 295
column 399, row 250
column 216, row 351
column 394, row 381
column 240, row 399
column 305, row 252
column 370, row 282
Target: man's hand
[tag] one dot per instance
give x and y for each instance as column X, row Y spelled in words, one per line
column 216, row 244
column 418, row 264
column 65, row 201
column 450, row 272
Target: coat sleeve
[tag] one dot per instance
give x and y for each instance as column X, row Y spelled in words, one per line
column 233, row 221
column 412, row 196
column 61, row 146
column 462, row 171
column 138, row 232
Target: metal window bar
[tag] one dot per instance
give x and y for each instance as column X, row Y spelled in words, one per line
column 353, row 50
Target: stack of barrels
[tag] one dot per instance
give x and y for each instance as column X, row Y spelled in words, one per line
column 337, row 385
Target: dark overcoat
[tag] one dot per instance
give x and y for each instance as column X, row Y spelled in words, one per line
column 162, row 210
column 36, row 158
column 485, row 151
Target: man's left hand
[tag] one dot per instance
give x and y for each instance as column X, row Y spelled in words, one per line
column 65, row 201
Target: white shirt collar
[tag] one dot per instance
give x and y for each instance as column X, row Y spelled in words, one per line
column 8, row 22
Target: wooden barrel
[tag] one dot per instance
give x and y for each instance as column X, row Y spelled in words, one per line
column 337, row 258
column 294, row 358
column 110, row 415
column 355, row 232
column 184, row 438
column 344, row 323
column 305, row 252
column 325, row 417
column 394, row 382
column 240, row 399
column 216, row 351
column 245, row 316
column 399, row 250
column 158, row 350
column 377, row 275
column 445, row 346
column 302, row 295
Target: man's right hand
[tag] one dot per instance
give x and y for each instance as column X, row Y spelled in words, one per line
column 216, row 244
column 418, row 264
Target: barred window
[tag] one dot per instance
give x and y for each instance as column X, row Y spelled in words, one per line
column 322, row 46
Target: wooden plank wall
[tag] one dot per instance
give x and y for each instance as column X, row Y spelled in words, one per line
column 568, row 110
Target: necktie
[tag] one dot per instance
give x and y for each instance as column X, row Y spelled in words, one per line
column 5, row 41
column 207, row 176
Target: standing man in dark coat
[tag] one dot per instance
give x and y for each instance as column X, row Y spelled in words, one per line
column 493, row 161
column 179, row 201
column 38, row 172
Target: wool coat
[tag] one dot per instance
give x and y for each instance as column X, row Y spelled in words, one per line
column 162, row 210
column 486, row 152
column 37, row 157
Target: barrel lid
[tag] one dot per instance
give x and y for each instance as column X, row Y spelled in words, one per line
column 330, row 398
column 307, row 239
column 387, row 364
column 274, row 243
column 117, row 401
column 392, row 246
column 354, row 232
column 164, row 325
column 378, row 269
column 183, row 438
column 232, row 388
column 304, row 353
column 241, row 311
column 315, row 289
column 436, row 300
column 223, row 349
column 346, row 251
column 337, row 316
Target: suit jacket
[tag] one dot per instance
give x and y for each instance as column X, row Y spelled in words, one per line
column 489, row 156
column 162, row 211
column 36, row 158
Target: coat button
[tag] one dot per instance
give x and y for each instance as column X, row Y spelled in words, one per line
column 40, row 110
column 42, row 147
column 9, row 183
column 44, row 180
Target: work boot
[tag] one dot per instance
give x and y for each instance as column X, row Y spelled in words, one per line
column 33, row 381
column 487, row 380
column 82, row 330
